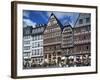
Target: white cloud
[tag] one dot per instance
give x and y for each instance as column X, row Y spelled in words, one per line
column 26, row 14
column 43, row 16
column 60, row 15
column 64, row 15
column 28, row 22
column 48, row 14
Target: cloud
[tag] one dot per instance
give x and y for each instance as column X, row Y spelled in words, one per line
column 43, row 16
column 26, row 14
column 64, row 17
column 59, row 15
column 28, row 22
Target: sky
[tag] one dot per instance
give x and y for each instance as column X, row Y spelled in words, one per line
column 32, row 18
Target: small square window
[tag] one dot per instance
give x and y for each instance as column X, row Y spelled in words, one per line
column 87, row 20
column 80, row 21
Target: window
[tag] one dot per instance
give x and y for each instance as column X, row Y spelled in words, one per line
column 33, row 31
column 41, row 51
column 88, row 20
column 33, row 45
column 54, row 21
column 33, row 38
column 81, row 21
column 84, row 37
column 58, row 38
column 26, row 47
column 49, row 24
column 36, row 37
column 33, row 52
column 88, row 28
column 37, row 51
column 26, row 54
column 26, row 42
column 52, row 30
column 27, row 31
column 77, row 30
column 39, row 37
column 87, row 47
column 58, row 47
column 45, row 56
column 52, row 17
column 49, row 56
column 38, row 44
column 38, row 30
column 26, row 37
column 36, row 59
column 46, row 30
column 42, row 29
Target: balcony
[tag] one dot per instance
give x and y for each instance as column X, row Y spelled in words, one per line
column 66, row 46
column 26, row 44
column 26, row 50
column 26, row 57
column 82, row 33
column 67, row 41
column 65, row 35
column 48, row 52
column 82, row 41
column 83, row 52
column 52, row 51
column 52, row 43
column 77, row 53
column 36, row 55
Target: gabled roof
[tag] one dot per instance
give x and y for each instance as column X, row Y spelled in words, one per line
column 27, row 30
column 35, row 30
column 81, row 16
column 61, row 26
column 67, row 26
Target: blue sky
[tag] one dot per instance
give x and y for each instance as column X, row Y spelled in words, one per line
column 31, row 17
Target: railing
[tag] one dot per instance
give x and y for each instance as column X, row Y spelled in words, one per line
column 26, row 50
column 53, row 43
column 52, row 51
column 67, row 45
column 26, row 57
column 82, row 33
column 65, row 35
column 82, row 52
column 37, row 55
column 82, row 41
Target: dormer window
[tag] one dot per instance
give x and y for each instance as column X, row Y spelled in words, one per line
column 87, row 20
column 81, row 21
